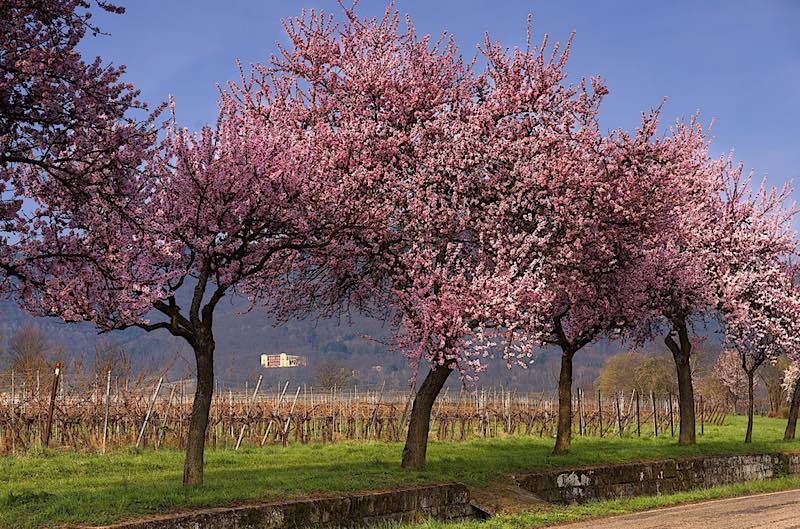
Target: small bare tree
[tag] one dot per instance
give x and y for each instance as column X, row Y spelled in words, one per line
column 112, row 357
column 331, row 374
column 27, row 349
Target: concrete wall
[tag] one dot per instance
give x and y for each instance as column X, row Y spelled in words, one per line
column 449, row 501
column 657, row 477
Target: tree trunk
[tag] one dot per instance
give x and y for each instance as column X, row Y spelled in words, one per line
column 198, row 423
column 748, row 436
column 794, row 408
column 681, row 353
column 419, row 425
column 774, row 402
column 685, row 403
column 564, row 431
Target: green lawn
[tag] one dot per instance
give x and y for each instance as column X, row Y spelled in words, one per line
column 53, row 489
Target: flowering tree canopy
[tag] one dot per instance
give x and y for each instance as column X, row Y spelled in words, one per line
column 224, row 210
column 610, row 251
column 61, row 117
column 758, row 299
column 210, row 213
column 383, row 109
column 790, row 378
column 571, row 207
column 728, row 370
column 387, row 115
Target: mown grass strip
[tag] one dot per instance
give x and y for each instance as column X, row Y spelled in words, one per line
column 52, row 489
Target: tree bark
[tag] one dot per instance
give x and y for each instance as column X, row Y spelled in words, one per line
column 685, row 403
column 564, row 430
column 681, row 353
column 748, row 436
column 794, row 408
column 416, row 446
column 198, row 423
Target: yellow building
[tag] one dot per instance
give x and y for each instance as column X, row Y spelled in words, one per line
column 282, row 360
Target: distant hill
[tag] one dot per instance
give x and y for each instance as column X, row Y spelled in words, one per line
column 242, row 336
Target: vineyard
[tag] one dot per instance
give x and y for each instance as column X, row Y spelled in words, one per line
column 100, row 415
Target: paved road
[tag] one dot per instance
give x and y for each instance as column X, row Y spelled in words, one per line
column 776, row 510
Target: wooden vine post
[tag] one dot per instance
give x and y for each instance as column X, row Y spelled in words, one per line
column 105, row 413
column 289, row 418
column 655, row 413
column 600, row 412
column 702, row 416
column 671, row 422
column 51, row 409
column 149, row 411
column 249, row 409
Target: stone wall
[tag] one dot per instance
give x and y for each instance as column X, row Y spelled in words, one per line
column 451, row 501
column 656, row 477
column 448, row 501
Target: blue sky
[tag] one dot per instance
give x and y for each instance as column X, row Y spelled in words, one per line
column 736, row 61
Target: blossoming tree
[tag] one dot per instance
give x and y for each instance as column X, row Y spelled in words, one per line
column 59, row 115
column 681, row 256
column 758, row 303
column 221, row 211
column 728, row 370
column 762, row 323
column 385, row 111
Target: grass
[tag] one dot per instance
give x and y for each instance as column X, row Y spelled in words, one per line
column 51, row 489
